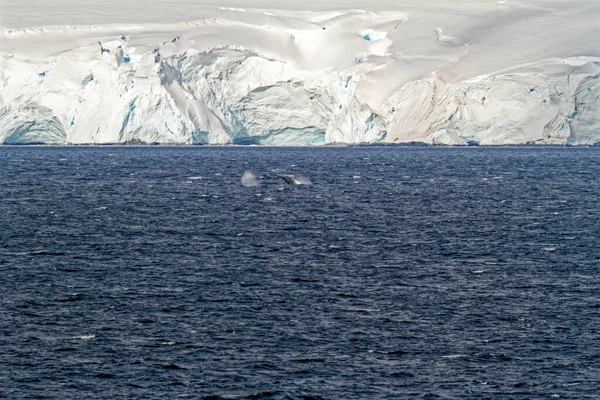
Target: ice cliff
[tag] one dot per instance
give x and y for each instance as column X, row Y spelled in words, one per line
column 503, row 73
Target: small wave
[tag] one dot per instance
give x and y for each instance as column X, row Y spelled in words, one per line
column 310, row 360
column 305, row 280
column 262, row 395
column 391, row 352
column 173, row 366
column 397, row 352
column 402, row 374
column 46, row 253
column 104, row 375
column 85, row 337
column 71, row 298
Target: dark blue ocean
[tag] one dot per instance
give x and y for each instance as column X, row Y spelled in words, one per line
column 152, row 273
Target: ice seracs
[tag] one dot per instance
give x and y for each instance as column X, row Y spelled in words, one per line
column 490, row 74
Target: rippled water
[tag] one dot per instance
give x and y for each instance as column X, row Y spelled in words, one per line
column 399, row 273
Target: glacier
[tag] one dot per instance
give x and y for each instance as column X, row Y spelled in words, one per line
column 487, row 73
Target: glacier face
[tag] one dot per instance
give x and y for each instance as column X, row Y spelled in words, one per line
column 257, row 77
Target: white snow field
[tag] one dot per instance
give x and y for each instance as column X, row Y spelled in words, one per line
column 262, row 72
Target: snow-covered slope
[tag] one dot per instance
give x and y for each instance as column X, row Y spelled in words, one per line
column 462, row 72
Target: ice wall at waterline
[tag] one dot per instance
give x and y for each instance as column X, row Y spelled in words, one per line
column 499, row 74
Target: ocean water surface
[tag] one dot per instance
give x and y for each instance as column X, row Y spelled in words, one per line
column 152, row 273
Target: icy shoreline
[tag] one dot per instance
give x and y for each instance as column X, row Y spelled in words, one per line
column 501, row 75
column 324, row 146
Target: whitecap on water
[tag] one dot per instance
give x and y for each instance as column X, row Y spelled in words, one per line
column 85, row 337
